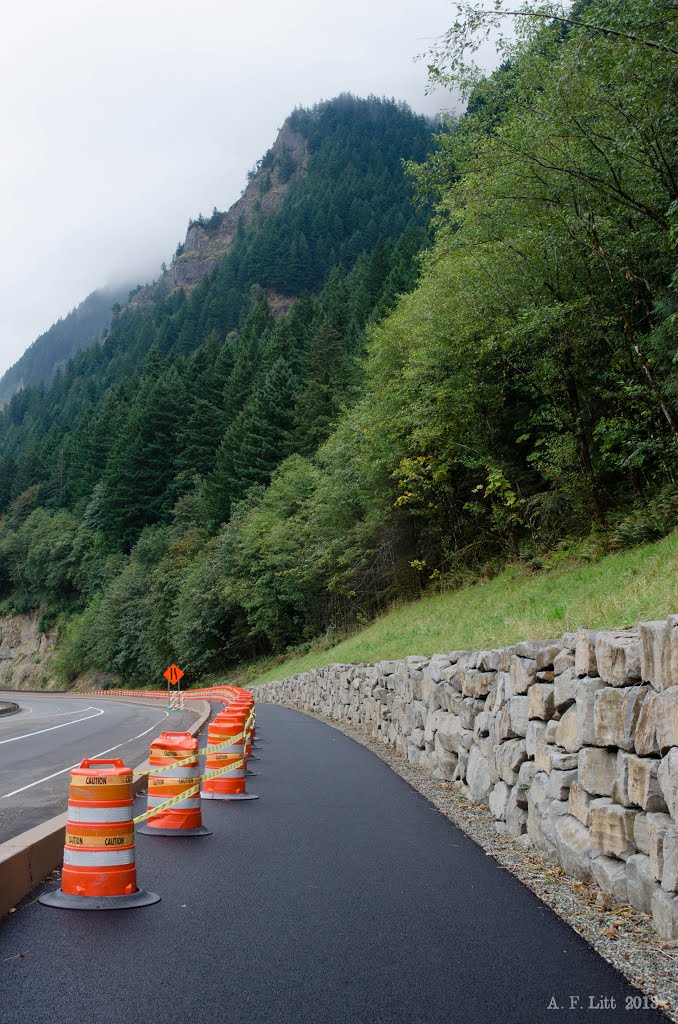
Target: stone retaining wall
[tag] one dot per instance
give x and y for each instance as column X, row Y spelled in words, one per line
column 572, row 743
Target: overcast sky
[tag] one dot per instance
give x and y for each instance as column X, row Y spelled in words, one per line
column 120, row 119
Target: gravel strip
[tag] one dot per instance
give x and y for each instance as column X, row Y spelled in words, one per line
column 620, row 934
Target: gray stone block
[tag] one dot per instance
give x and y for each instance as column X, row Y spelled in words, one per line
column 665, row 914
column 609, row 874
column 546, row 656
column 618, row 657
column 585, row 653
column 522, row 787
column 668, row 780
column 597, row 770
column 575, row 848
column 640, row 882
column 540, row 701
column 612, row 830
column 523, row 674
column 565, row 690
column 645, row 740
column 669, row 877
column 576, row 728
column 559, row 784
column 509, row 757
column 667, row 719
column 498, row 799
column 659, row 653
column 477, row 684
column 513, row 719
column 563, row 661
column 534, row 735
column 481, row 776
column 657, row 827
column 615, row 714
column 643, row 785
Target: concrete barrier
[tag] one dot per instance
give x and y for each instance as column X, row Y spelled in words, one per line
column 27, row 860
column 8, row 707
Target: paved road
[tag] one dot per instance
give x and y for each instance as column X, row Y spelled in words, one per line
column 40, row 743
column 340, row 897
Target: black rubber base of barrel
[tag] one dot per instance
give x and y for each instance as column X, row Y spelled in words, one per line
column 229, row 796
column 65, row 901
column 148, row 830
column 248, row 772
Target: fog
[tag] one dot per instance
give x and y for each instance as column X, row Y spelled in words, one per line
column 121, row 120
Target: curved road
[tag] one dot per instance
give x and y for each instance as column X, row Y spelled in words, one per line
column 340, row 897
column 51, row 734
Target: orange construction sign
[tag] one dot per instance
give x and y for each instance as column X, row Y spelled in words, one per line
column 173, row 674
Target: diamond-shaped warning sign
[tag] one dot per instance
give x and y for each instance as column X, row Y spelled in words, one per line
column 173, row 674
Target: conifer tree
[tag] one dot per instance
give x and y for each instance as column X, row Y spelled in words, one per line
column 327, row 381
column 140, row 469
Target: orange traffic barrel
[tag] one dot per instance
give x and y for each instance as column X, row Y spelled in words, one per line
column 184, row 818
column 99, row 871
column 230, row 786
column 245, row 705
column 241, row 714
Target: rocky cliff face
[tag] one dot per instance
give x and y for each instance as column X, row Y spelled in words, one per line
column 208, row 242
column 24, row 653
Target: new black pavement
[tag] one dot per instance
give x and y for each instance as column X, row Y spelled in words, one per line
column 340, row 896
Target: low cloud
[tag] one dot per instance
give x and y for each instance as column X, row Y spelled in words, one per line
column 126, row 119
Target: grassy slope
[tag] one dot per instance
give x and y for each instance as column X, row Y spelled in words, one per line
column 618, row 590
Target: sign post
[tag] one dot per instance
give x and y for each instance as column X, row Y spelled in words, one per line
column 173, row 675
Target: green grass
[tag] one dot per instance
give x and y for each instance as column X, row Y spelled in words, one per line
column 617, row 590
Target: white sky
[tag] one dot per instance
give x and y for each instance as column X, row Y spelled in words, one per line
column 120, row 119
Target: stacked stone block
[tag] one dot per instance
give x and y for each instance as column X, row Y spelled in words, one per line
column 571, row 743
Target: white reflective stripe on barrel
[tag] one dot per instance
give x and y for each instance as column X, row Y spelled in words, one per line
column 86, row 858
column 186, row 772
column 190, row 803
column 102, row 814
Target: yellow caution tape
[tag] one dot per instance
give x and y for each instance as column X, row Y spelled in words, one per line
column 156, row 769
column 187, row 792
column 167, row 804
column 224, row 771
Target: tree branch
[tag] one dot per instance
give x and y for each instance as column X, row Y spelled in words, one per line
column 581, row 24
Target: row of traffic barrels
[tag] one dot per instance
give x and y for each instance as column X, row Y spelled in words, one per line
column 99, row 870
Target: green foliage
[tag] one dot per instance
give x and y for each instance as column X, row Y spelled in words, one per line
column 215, row 483
column 653, row 519
column 622, row 588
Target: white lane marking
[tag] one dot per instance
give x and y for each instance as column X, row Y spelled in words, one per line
column 59, row 714
column 77, row 763
column 64, row 725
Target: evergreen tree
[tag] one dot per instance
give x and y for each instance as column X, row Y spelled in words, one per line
column 265, row 429
column 140, row 469
column 327, row 381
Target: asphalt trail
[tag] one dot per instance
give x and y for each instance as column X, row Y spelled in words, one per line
column 50, row 734
column 340, row 897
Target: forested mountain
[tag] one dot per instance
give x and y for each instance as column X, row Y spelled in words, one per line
column 216, row 482
column 328, row 190
column 79, row 329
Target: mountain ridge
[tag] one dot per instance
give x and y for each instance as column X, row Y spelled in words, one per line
column 208, row 241
column 52, row 349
